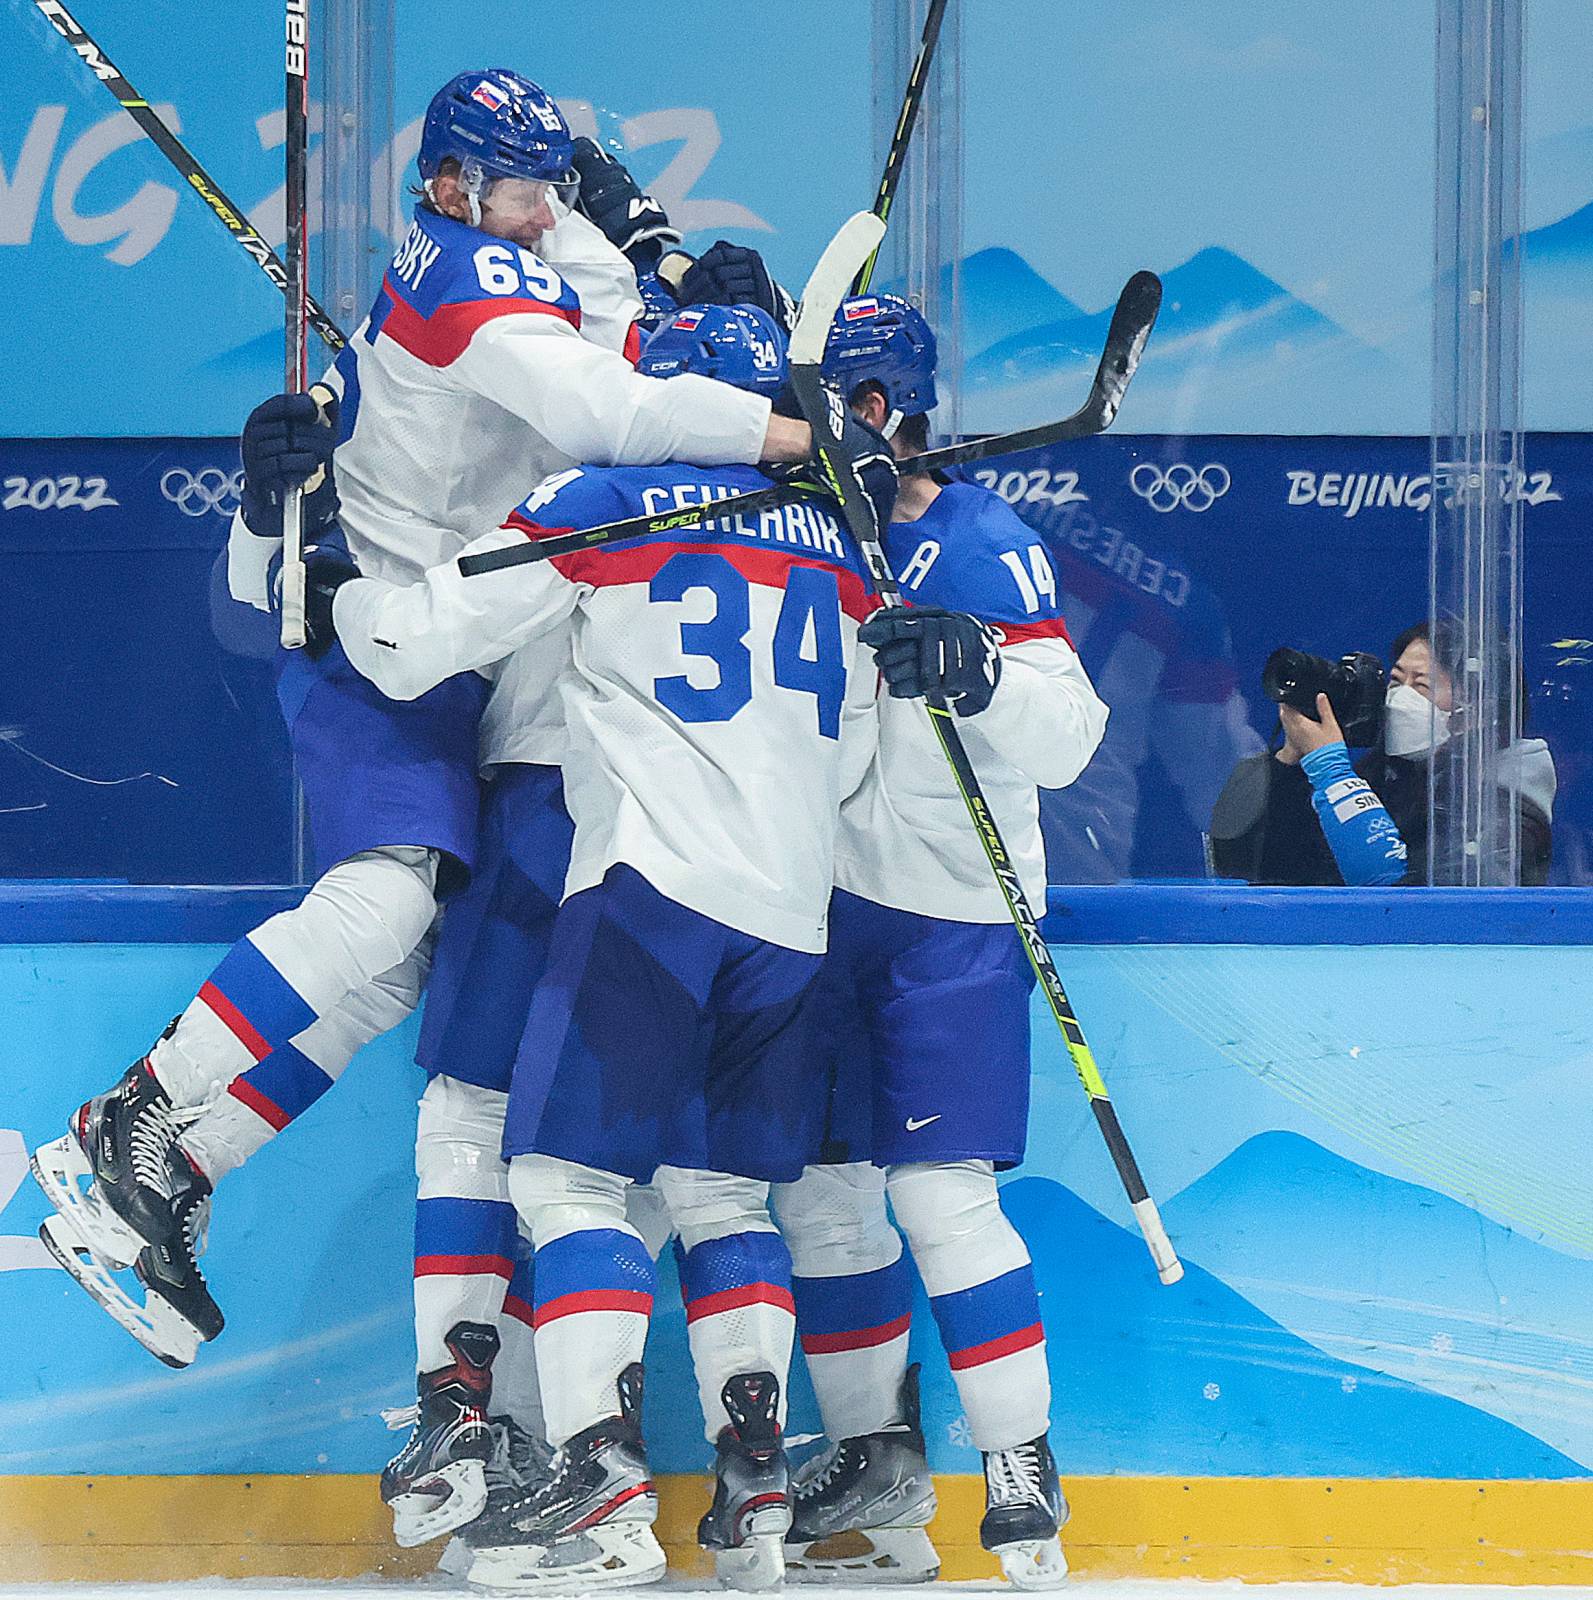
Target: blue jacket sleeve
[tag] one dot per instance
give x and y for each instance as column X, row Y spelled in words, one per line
column 1365, row 842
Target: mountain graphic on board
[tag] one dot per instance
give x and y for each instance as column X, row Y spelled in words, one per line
column 1215, row 307
column 1401, row 1278
column 1195, row 1379
column 1233, row 351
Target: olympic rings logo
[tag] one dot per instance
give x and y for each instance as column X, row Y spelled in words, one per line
column 1180, row 485
column 209, row 489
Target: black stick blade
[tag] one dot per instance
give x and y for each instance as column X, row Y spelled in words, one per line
column 1132, row 321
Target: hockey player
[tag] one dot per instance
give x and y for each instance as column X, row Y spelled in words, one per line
column 493, row 349
column 926, row 995
column 471, row 1291
column 713, row 722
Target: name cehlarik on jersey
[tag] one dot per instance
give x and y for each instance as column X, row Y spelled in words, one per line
column 799, row 523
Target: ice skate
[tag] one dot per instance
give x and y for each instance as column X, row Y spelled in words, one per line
column 587, row 1523
column 438, row 1481
column 750, row 1516
column 520, row 1461
column 177, row 1313
column 1024, row 1512
column 859, row 1510
column 107, row 1175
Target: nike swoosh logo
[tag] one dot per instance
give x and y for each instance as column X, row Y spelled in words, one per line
column 915, row 1123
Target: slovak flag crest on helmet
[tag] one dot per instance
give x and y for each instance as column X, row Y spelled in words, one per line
column 489, row 95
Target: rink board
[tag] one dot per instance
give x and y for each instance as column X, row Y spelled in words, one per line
column 1370, row 1149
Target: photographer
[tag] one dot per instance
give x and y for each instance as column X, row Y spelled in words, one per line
column 1304, row 815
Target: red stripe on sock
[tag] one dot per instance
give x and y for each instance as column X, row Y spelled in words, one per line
column 237, row 1023
column 569, row 1305
column 976, row 1355
column 829, row 1344
column 463, row 1267
column 265, row 1109
column 749, row 1294
column 520, row 1310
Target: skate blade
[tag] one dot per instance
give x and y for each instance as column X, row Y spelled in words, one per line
column 613, row 1555
column 864, row 1556
column 166, row 1335
column 456, row 1558
column 439, row 1503
column 756, row 1564
column 63, row 1172
column 1034, row 1564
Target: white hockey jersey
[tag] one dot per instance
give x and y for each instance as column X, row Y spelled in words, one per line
column 906, row 839
column 471, row 377
column 715, row 707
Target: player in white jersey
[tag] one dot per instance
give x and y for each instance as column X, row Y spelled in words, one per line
column 926, row 996
column 494, row 348
column 713, row 723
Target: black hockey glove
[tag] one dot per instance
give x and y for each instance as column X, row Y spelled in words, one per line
column 735, row 275
column 924, row 651
column 326, row 570
column 288, row 440
column 874, row 461
column 633, row 222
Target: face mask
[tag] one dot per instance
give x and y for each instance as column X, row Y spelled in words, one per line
column 1412, row 724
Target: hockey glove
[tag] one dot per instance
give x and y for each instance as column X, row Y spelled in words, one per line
column 734, row 275
column 288, row 440
column 633, row 222
column 923, row 651
column 326, row 570
column 875, row 464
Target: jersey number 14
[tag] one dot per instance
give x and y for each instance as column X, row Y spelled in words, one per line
column 807, row 649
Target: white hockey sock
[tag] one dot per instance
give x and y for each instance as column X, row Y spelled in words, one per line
column 515, row 1388
column 736, row 1279
column 593, row 1287
column 261, row 1102
column 981, row 1289
column 853, row 1291
column 464, row 1220
column 361, row 919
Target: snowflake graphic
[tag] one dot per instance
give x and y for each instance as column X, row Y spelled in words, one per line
column 1443, row 1343
column 1349, row 1384
column 960, row 1433
column 1212, row 1391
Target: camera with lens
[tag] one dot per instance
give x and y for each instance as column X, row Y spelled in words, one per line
column 1355, row 686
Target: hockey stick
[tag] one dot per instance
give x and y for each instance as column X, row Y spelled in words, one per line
column 226, row 212
column 896, row 158
column 296, row 145
column 1125, row 340
column 825, row 413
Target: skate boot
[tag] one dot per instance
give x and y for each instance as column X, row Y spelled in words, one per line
column 107, row 1175
column 177, row 1313
column 520, row 1461
column 587, row 1523
column 859, row 1510
column 747, row 1523
column 1024, row 1512
column 438, row 1481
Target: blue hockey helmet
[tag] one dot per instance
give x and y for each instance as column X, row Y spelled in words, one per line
column 740, row 345
column 658, row 304
column 496, row 124
column 881, row 338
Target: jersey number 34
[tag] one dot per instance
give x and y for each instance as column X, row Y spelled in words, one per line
column 807, row 650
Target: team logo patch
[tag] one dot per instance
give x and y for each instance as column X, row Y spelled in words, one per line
column 687, row 320
column 489, row 95
column 861, row 310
